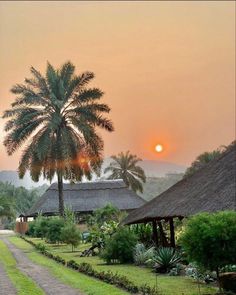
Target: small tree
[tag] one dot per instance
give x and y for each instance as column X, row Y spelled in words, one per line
column 41, row 227
column 55, row 226
column 70, row 234
column 210, row 240
column 105, row 214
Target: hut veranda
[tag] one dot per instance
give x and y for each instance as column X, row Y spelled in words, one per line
column 210, row 189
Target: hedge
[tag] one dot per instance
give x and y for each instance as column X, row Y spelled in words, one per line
column 106, row 276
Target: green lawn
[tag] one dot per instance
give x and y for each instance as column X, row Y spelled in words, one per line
column 169, row 285
column 77, row 280
column 23, row 284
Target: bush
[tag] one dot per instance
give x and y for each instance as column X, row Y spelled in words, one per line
column 41, row 247
column 55, row 226
column 142, row 255
column 210, row 240
column 71, row 235
column 119, row 247
column 31, row 229
column 41, row 227
column 165, row 259
column 143, row 232
column 105, row 214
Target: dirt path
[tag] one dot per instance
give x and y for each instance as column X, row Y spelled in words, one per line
column 39, row 274
column 6, row 286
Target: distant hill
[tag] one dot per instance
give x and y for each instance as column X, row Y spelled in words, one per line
column 13, row 178
column 151, row 168
column 160, row 168
column 154, row 186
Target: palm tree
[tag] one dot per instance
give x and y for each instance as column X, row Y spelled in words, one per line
column 57, row 115
column 124, row 167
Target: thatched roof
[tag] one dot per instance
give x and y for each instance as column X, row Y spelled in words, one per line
column 87, row 197
column 210, row 189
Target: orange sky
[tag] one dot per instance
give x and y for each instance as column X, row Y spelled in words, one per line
column 167, row 68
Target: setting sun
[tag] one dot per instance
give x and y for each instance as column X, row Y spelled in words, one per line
column 159, row 148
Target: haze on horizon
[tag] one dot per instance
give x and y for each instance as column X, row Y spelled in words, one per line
column 167, row 68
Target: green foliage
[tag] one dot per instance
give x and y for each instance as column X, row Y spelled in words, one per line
column 69, row 215
column 41, row 247
column 165, row 259
column 210, row 239
column 31, row 229
column 55, row 227
column 105, row 214
column 7, row 207
column 71, row 235
column 120, row 246
column 17, row 200
column 98, row 235
column 103, row 223
column 143, row 232
column 41, row 227
column 143, row 254
column 124, row 166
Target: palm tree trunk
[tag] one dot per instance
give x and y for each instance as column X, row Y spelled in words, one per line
column 60, row 194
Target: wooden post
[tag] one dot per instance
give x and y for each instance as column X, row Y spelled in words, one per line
column 155, row 234
column 163, row 239
column 172, row 232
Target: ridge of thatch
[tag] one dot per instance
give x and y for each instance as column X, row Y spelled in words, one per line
column 210, row 189
column 87, row 197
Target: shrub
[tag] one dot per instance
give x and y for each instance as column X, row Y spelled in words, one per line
column 41, row 227
column 175, row 271
column 55, row 226
column 142, row 255
column 143, row 232
column 119, row 247
column 31, row 229
column 210, row 240
column 41, row 247
column 69, row 215
column 105, row 214
column 165, row 259
column 71, row 235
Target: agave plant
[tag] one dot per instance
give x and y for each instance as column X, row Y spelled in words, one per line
column 165, row 259
column 142, row 255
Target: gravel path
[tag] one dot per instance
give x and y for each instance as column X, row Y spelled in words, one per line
column 40, row 275
column 6, row 286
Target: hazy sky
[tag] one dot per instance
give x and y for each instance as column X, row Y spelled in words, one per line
column 167, row 68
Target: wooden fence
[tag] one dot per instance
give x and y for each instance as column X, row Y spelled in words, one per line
column 21, row 227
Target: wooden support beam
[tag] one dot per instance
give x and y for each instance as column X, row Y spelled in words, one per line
column 163, row 239
column 155, row 233
column 172, row 232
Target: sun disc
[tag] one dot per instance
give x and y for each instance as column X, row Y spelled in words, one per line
column 159, row 148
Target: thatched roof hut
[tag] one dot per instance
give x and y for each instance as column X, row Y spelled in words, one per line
column 87, row 197
column 210, row 189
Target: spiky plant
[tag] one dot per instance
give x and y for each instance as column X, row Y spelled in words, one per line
column 124, row 166
column 166, row 258
column 142, row 254
column 57, row 116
